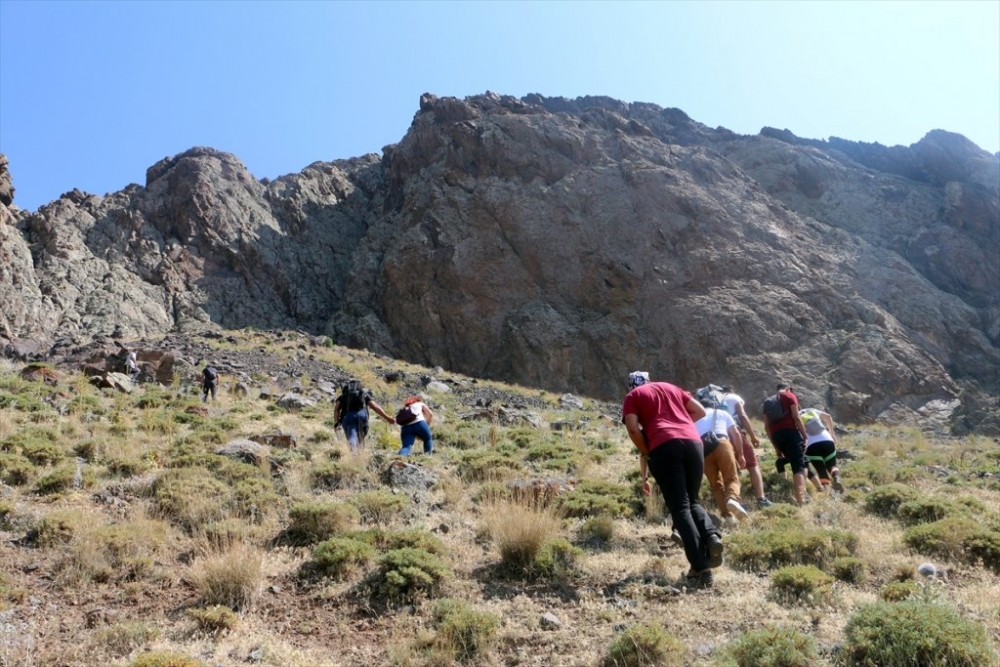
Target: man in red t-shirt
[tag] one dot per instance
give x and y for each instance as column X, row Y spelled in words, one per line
column 788, row 435
column 659, row 418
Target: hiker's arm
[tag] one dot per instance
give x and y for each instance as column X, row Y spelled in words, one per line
column 336, row 411
column 644, row 473
column 793, row 409
column 694, row 409
column 745, row 422
column 380, row 412
column 636, row 435
column 428, row 415
column 736, row 438
column 828, row 420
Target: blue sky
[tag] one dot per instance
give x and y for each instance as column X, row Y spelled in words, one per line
column 93, row 93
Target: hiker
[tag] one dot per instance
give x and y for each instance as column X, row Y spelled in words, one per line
column 209, row 382
column 735, row 405
column 788, row 434
column 659, row 418
column 780, row 463
column 132, row 367
column 415, row 418
column 821, row 447
column 718, row 432
column 351, row 411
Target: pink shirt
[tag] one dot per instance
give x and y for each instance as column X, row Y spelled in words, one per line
column 660, row 407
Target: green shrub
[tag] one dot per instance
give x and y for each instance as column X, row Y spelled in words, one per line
column 788, row 544
column 897, row 634
column 15, row 470
column 485, row 466
column 190, row 497
column 64, row 478
column 390, row 540
column 378, row 506
column 598, row 527
column 885, row 501
column 214, row 619
column 338, row 475
column 774, row 647
column 556, row 559
column 162, row 659
column 254, row 497
column 57, row 527
column 311, row 522
column 123, row 638
column 805, row 584
column 645, row 646
column 850, row 569
column 406, row 575
column 463, row 631
column 897, row 591
column 43, row 453
column 594, row 498
column 339, row 557
column 960, row 538
column 928, row 510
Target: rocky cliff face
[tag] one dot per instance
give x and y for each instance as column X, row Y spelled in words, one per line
column 561, row 243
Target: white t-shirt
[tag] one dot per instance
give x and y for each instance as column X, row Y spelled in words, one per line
column 822, row 436
column 417, row 409
column 722, row 422
column 731, row 401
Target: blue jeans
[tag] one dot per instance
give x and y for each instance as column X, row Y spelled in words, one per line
column 409, row 433
column 356, row 428
column 677, row 467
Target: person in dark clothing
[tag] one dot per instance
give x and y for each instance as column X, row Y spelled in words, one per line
column 351, row 411
column 659, row 418
column 209, row 382
column 788, row 435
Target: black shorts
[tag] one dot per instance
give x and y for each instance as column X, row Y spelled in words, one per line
column 789, row 442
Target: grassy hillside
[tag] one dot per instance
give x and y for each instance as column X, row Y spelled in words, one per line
column 523, row 540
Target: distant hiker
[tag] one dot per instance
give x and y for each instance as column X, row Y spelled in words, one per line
column 659, row 418
column 718, row 431
column 132, row 367
column 415, row 418
column 735, row 405
column 209, row 382
column 788, row 434
column 821, row 447
column 351, row 411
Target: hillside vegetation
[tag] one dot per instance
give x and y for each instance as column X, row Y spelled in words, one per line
column 128, row 540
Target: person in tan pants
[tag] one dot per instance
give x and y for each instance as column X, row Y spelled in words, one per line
column 723, row 450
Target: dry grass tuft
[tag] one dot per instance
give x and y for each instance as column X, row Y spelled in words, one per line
column 232, row 577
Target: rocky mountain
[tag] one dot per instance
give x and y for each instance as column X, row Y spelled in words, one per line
column 559, row 243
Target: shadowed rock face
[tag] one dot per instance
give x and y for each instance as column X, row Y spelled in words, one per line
column 561, row 243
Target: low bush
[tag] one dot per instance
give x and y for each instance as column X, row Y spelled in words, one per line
column 462, row 631
column 800, row 584
column 850, row 569
column 57, row 528
column 340, row 557
column 215, row 619
column 788, row 545
column 190, row 497
column 519, row 531
column 390, row 540
column 338, row 475
column 913, row 633
column 598, row 527
column 962, row 538
column 645, row 646
column 774, row 647
column 64, row 478
column 15, row 470
column 931, row 509
column 123, row 638
column 897, row 591
column 232, row 577
column 556, row 559
column 485, row 466
column 885, row 501
column 315, row 521
column 595, row 498
column 379, row 506
column 408, row 575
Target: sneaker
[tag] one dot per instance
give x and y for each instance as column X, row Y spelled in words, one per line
column 837, row 485
column 714, row 549
column 738, row 510
column 676, row 538
column 763, row 503
column 703, row 579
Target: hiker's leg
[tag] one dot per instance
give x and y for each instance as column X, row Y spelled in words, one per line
column 352, row 426
column 425, row 436
column 753, row 467
column 726, row 462
column 666, row 465
column 407, row 436
column 714, row 477
column 789, row 442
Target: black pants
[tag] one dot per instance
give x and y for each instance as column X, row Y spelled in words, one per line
column 677, row 466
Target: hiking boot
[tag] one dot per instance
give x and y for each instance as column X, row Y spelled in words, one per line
column 737, row 510
column 676, row 538
column 703, row 579
column 837, row 485
column 763, row 503
column 714, row 550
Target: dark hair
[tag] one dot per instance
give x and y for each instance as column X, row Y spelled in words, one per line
column 784, row 385
column 728, row 388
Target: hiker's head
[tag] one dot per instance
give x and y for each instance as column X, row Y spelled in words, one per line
column 727, row 388
column 784, row 386
column 707, row 402
column 637, row 379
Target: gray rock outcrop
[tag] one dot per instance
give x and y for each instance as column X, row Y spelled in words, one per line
column 561, row 243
